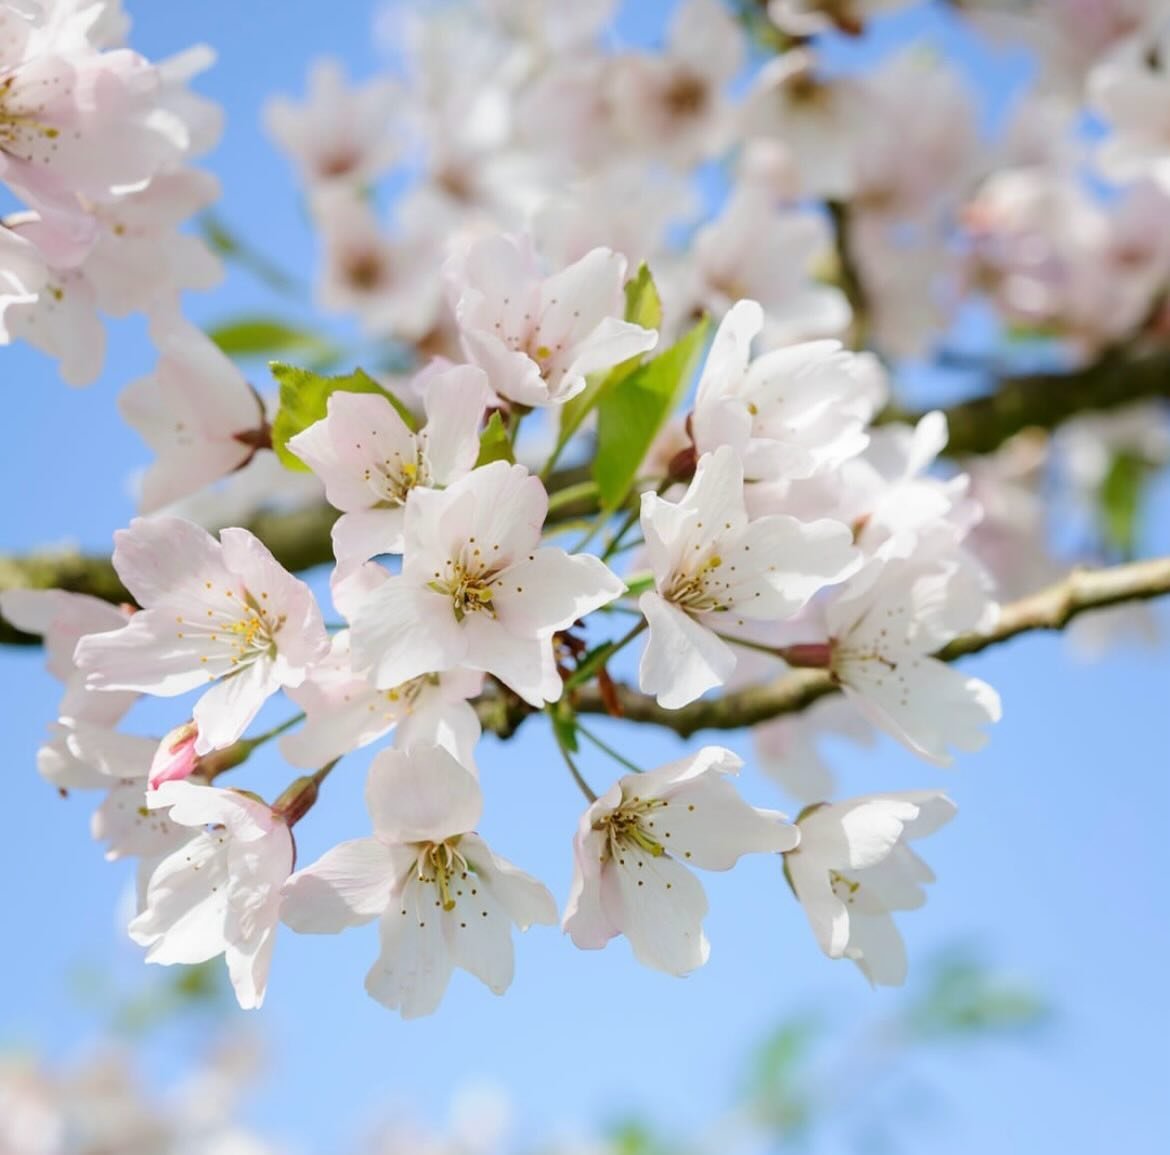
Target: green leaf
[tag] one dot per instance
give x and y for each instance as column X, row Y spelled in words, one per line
column 643, row 307
column 304, row 396
column 494, row 442
column 643, row 304
column 1120, row 502
column 266, row 337
column 630, row 414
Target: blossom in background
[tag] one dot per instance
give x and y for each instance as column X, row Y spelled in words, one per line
column 222, row 611
column 369, row 458
column 853, row 868
column 714, row 569
column 538, row 337
column 442, row 897
column 477, row 589
column 218, row 892
column 342, row 132
column 62, row 618
column 635, row 843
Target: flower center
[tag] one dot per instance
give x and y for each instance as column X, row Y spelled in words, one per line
column 844, row 888
column 394, row 478
column 441, row 864
column 20, row 132
column 631, row 824
column 699, row 588
column 468, row 585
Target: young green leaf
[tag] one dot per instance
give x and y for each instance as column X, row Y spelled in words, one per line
column 266, row 337
column 630, row 414
column 494, row 442
column 304, row 396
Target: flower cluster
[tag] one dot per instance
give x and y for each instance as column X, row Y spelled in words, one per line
column 609, row 404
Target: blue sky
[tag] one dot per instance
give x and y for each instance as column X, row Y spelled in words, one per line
column 1056, row 864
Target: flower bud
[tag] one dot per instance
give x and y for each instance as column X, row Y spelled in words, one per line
column 175, row 758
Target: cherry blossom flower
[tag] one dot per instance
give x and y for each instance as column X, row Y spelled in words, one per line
column 635, row 843
column 341, row 132
column 370, row 460
column 346, row 712
column 197, row 413
column 853, row 868
column 219, row 892
column 477, row 589
column 713, row 568
column 789, row 413
column 62, row 619
column 222, row 611
column 538, row 337
column 78, row 123
column 443, row 898
column 884, row 626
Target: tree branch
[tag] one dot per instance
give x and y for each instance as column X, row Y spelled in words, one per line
column 300, row 539
column 1050, row 609
column 1048, row 400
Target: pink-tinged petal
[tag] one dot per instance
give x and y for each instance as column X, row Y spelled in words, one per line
column 226, row 710
column 194, row 804
column 401, row 632
column 421, row 795
column 551, row 589
column 175, row 758
column 158, row 557
column 185, row 905
column 513, row 374
column 660, row 906
column 683, row 659
column 574, row 301
column 455, row 402
column 148, row 654
column 369, row 439
column 503, row 520
column 414, row 966
column 367, row 533
column 524, row 664
column 299, row 631
column 586, row 920
column 347, row 886
column 526, row 901
column 344, row 488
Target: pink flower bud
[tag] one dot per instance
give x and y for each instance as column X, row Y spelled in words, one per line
column 175, row 758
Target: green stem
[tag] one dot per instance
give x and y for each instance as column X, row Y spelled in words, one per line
column 275, row 732
column 607, row 749
column 582, row 785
